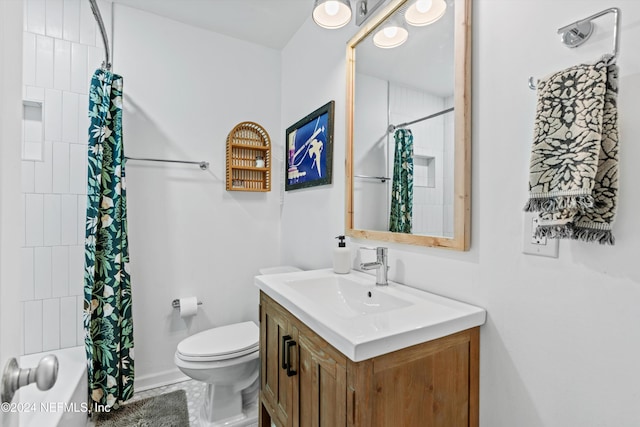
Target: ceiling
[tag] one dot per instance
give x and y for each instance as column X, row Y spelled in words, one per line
column 270, row 23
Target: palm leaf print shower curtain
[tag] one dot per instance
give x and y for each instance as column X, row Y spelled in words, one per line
column 402, row 184
column 107, row 287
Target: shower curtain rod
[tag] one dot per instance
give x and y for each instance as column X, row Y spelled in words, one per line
column 203, row 165
column 106, row 65
column 392, row 128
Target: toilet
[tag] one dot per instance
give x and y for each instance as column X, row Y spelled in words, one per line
column 227, row 359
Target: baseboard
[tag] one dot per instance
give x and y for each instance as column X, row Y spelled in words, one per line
column 159, row 379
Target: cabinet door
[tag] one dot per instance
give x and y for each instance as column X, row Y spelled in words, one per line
column 277, row 387
column 321, row 385
column 428, row 384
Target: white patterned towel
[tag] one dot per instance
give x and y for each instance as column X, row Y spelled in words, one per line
column 573, row 176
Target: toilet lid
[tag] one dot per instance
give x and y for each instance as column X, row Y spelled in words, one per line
column 230, row 341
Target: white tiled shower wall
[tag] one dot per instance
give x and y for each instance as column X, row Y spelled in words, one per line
column 62, row 48
column 429, row 140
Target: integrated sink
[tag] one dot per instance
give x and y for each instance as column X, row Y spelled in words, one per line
column 347, row 296
column 363, row 320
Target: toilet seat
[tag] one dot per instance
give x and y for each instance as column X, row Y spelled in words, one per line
column 222, row 343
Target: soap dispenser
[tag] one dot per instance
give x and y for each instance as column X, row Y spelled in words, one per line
column 341, row 257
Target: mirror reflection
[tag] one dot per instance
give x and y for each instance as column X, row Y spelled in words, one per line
column 409, row 125
column 403, row 129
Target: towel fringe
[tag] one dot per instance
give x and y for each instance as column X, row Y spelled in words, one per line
column 569, row 231
column 604, row 237
column 564, row 231
column 554, row 204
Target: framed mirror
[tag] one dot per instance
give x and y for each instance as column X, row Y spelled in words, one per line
column 408, row 125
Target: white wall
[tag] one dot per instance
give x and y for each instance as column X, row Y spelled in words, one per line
column 61, row 49
column 313, row 73
column 11, row 224
column 561, row 341
column 184, row 90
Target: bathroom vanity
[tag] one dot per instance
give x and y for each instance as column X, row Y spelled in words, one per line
column 353, row 357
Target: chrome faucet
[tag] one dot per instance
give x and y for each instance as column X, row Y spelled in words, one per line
column 380, row 265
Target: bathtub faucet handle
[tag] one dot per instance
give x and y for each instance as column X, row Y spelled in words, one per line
column 44, row 375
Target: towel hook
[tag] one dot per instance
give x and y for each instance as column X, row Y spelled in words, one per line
column 576, row 33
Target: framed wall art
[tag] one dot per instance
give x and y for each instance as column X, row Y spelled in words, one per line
column 309, row 150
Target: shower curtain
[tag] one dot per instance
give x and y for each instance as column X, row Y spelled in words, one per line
column 402, row 184
column 107, row 288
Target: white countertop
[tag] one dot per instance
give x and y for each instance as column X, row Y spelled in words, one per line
column 363, row 320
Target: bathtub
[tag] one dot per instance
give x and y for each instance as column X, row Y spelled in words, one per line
column 65, row 404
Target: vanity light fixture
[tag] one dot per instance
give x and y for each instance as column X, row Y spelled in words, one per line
column 391, row 35
column 332, row 14
column 425, row 12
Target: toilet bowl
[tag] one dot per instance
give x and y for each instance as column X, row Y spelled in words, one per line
column 227, row 360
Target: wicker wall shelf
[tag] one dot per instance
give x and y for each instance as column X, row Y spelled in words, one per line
column 246, row 144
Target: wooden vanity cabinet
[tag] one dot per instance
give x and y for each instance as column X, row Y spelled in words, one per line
column 276, row 388
column 307, row 382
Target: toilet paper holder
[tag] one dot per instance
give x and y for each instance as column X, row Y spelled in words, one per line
column 176, row 303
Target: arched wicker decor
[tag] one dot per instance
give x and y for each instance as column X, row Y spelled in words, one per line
column 246, row 144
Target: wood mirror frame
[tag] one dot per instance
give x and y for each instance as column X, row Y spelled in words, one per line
column 462, row 134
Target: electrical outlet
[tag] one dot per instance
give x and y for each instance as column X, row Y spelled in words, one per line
column 534, row 239
column 532, row 245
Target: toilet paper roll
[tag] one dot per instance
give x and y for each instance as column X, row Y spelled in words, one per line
column 188, row 306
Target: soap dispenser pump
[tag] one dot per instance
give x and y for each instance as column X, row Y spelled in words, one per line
column 341, row 257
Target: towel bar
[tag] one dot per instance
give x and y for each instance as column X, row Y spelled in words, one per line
column 203, row 165
column 576, row 33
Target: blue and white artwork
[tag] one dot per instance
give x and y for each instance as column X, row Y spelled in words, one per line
column 308, row 150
